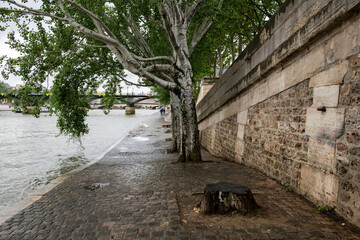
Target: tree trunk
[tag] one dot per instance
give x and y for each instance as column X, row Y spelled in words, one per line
column 175, row 119
column 190, row 142
column 232, row 48
column 215, row 65
column 189, row 134
column 240, row 45
column 221, row 64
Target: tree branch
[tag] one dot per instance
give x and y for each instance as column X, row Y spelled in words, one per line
column 178, row 14
column 202, row 30
column 30, row 11
column 135, row 84
column 92, row 16
column 167, row 25
column 93, row 46
column 264, row 11
column 125, row 57
column 190, row 11
column 251, row 21
column 156, row 68
column 142, row 44
column 142, row 72
column 153, row 59
column 199, row 33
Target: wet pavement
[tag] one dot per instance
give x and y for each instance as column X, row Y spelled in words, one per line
column 132, row 194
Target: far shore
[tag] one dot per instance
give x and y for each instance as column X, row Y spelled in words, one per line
column 4, row 107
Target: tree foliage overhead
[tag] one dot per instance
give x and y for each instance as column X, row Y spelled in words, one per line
column 233, row 29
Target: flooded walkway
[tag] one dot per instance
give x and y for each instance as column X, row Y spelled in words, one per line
column 134, row 192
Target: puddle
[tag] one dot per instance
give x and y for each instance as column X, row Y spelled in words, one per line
column 95, row 186
column 123, row 149
column 144, row 125
column 140, row 139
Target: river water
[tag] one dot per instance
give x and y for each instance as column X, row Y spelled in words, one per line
column 31, row 153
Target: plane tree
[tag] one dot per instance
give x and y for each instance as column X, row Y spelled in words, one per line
column 92, row 38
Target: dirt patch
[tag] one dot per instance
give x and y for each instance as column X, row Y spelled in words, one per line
column 190, row 215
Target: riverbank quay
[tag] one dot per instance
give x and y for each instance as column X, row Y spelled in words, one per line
column 133, row 192
column 4, row 107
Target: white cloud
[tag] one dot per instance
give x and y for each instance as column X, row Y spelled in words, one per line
column 134, row 79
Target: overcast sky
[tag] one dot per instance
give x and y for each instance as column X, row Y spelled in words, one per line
column 13, row 80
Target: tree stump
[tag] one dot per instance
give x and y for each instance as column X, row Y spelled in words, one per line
column 223, row 197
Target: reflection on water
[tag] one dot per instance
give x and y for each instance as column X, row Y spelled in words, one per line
column 31, row 155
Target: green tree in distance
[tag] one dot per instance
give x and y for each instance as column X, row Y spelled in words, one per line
column 3, row 88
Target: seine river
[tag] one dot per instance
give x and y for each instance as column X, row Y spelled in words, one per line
column 31, row 153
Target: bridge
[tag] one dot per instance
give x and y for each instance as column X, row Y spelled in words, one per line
column 91, row 96
column 130, row 105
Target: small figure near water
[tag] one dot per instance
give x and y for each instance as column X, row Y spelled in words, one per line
column 162, row 111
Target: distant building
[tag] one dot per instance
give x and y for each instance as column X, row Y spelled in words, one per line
column 205, row 86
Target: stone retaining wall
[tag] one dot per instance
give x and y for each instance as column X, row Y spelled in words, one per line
column 290, row 104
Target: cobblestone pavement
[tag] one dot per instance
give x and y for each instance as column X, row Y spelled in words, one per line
column 131, row 194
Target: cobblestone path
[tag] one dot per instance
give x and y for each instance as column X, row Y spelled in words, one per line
column 132, row 194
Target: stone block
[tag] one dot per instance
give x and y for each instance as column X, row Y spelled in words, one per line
column 239, row 147
column 203, row 125
column 213, row 136
column 322, row 188
column 327, row 96
column 305, row 67
column 238, row 158
column 209, row 121
column 331, row 76
column 245, row 100
column 261, row 93
column 204, row 89
column 344, row 44
column 229, row 110
column 241, row 132
column 276, row 83
column 326, row 125
column 242, row 117
column 322, row 151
